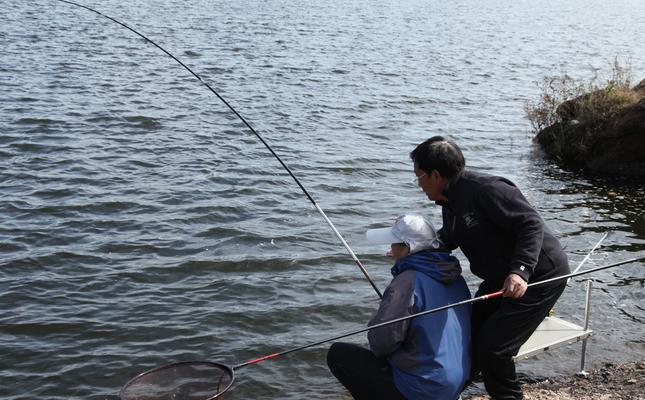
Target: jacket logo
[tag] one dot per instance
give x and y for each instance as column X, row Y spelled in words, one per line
column 470, row 219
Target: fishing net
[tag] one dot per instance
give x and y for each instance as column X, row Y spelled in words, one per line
column 181, row 381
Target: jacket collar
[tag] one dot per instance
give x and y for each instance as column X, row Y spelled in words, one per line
column 436, row 263
column 450, row 191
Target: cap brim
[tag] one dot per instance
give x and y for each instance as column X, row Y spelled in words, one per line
column 382, row 236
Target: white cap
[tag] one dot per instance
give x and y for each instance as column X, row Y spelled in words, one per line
column 412, row 229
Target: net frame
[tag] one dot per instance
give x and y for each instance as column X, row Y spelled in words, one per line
column 139, row 381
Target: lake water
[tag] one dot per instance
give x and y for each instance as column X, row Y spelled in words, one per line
column 142, row 224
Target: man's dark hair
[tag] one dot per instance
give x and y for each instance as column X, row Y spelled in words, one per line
column 441, row 154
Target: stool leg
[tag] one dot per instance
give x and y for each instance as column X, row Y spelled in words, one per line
column 582, row 372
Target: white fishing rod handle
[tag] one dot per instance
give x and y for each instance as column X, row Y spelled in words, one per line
column 349, row 250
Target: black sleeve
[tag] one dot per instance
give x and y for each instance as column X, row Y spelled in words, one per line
column 503, row 203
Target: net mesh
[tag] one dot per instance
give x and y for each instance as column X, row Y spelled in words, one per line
column 181, row 381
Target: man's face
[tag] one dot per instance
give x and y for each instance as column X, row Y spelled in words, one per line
column 430, row 183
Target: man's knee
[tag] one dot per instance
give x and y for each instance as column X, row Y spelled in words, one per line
column 490, row 347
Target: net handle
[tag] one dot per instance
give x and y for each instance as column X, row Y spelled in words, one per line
column 434, row 310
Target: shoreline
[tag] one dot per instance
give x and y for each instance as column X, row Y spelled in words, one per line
column 615, row 381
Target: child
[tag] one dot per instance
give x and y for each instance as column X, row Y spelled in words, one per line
column 421, row 358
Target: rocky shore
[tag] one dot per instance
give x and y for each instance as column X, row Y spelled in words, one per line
column 602, row 132
column 609, row 382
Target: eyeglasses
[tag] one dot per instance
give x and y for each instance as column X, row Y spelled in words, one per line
column 417, row 180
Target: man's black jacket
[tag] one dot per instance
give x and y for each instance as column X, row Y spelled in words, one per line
column 498, row 231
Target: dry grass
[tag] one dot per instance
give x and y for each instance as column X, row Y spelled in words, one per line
column 565, row 100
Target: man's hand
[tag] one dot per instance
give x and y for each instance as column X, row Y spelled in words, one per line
column 514, row 286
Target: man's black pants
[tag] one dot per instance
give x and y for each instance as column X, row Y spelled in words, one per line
column 363, row 374
column 500, row 327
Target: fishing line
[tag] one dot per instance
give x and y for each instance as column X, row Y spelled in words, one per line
column 230, row 107
column 205, row 380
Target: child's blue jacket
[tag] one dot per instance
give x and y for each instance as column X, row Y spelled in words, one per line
column 429, row 355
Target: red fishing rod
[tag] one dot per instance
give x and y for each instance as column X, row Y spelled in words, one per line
column 230, row 107
column 205, row 380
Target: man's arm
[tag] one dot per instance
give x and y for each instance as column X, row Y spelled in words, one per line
column 504, row 204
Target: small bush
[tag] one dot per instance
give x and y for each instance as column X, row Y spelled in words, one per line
column 564, row 99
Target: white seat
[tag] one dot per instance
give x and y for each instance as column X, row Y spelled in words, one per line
column 553, row 332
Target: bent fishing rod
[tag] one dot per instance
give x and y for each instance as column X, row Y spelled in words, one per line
column 230, row 107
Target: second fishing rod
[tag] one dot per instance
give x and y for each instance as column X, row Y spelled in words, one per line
column 210, row 380
column 253, row 130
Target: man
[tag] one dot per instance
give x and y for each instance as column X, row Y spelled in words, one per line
column 421, row 358
column 507, row 244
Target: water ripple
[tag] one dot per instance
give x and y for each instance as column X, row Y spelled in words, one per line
column 142, row 223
